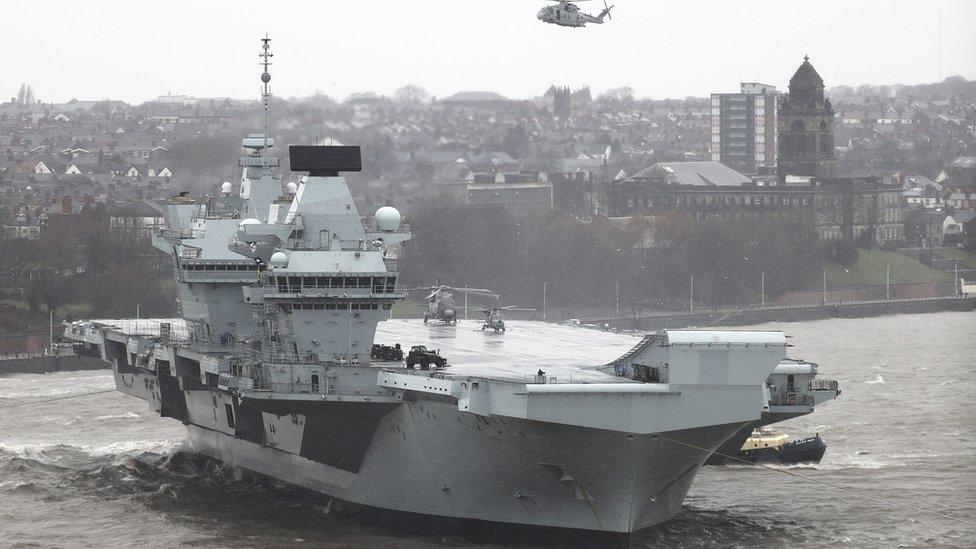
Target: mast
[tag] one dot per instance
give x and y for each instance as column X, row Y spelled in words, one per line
column 265, row 63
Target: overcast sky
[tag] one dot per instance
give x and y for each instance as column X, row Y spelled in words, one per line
column 134, row 50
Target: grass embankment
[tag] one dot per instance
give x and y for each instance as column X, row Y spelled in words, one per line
column 871, row 267
column 967, row 259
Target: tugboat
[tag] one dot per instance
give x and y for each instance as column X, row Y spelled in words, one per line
column 767, row 445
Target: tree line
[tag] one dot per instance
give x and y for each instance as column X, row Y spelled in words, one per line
column 645, row 264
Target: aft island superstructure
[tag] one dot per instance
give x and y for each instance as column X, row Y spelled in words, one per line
column 282, row 289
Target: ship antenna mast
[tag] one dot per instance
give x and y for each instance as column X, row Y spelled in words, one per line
column 266, row 56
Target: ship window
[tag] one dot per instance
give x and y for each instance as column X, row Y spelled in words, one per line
column 354, row 306
column 221, row 267
column 319, row 306
column 308, row 281
column 295, row 282
column 229, row 410
column 330, row 306
column 387, row 306
column 391, row 284
column 210, row 267
column 336, row 281
column 378, row 284
column 322, row 281
column 350, row 282
column 375, row 306
column 286, row 308
column 364, row 282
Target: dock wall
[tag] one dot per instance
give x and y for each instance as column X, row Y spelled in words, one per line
column 48, row 364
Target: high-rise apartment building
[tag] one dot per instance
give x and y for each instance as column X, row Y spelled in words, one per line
column 744, row 128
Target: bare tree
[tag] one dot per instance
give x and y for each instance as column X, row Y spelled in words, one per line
column 25, row 96
column 411, row 95
column 617, row 95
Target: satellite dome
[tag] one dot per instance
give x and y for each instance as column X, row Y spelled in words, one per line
column 226, row 187
column 387, row 219
column 248, row 221
column 279, row 259
column 292, row 187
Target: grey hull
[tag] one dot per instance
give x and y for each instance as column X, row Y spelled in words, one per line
column 426, row 457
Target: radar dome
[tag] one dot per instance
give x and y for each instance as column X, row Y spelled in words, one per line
column 226, row 187
column 292, row 187
column 387, row 219
column 279, row 259
column 248, row 221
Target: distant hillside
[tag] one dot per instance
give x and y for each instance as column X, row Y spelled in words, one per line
column 953, row 87
column 475, row 96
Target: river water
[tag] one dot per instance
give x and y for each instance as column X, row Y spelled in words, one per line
column 103, row 471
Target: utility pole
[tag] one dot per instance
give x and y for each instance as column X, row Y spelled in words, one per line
column 618, row 299
column 955, row 278
column 691, row 300
column 825, row 286
column 888, row 281
column 762, row 288
column 543, row 301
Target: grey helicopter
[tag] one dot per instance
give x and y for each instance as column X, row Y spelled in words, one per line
column 568, row 14
column 441, row 304
column 493, row 317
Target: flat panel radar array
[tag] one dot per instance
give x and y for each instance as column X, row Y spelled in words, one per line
column 325, row 161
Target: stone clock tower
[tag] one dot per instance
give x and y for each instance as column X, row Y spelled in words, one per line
column 806, row 123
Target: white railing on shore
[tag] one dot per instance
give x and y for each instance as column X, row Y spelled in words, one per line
column 759, row 308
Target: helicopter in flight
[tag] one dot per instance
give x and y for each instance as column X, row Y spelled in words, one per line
column 441, row 304
column 568, row 14
column 493, row 317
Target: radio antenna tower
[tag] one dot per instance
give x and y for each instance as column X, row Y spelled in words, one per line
column 266, row 56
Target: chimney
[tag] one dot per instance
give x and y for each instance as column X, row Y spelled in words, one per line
column 66, row 205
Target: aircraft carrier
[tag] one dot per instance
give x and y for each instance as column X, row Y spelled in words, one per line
column 283, row 291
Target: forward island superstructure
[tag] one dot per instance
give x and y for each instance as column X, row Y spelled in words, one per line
column 282, row 288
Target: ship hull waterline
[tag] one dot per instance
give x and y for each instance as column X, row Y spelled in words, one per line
column 445, row 463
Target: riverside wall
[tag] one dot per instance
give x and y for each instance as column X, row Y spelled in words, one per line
column 49, row 364
column 780, row 313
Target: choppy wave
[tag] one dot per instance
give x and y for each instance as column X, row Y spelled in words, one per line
column 878, row 379
column 57, row 391
column 54, row 452
column 126, row 415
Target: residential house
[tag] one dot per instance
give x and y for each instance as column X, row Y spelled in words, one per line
column 958, row 226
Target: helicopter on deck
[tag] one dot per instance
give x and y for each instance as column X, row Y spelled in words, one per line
column 493, row 317
column 568, row 14
column 441, row 304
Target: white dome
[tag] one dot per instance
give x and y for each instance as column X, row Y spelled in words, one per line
column 226, row 187
column 292, row 187
column 279, row 259
column 248, row 221
column 387, row 219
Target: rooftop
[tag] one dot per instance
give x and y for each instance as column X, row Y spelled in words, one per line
column 700, row 174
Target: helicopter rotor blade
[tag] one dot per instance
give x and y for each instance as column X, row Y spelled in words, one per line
column 475, row 291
